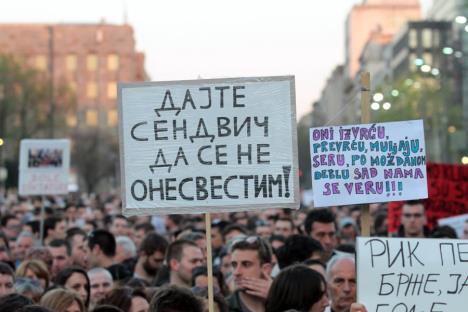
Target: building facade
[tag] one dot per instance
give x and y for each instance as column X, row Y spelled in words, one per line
column 88, row 59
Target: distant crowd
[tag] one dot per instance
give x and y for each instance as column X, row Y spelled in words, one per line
column 91, row 258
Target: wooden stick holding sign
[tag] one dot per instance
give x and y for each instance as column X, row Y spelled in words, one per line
column 209, row 262
column 365, row 119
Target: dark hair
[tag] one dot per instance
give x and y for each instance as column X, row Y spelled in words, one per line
column 6, row 269
column 63, row 276
column 309, row 262
column 291, row 222
column 13, row 302
column 176, row 248
column 33, row 308
column 153, row 242
column 296, row 249
column 256, row 243
column 105, row 240
column 175, row 299
column 71, row 232
column 106, row 308
column 318, row 215
column 444, row 231
column 35, row 226
column 122, row 297
column 217, row 298
column 50, row 224
column 6, row 218
column 217, row 274
column 56, row 243
column 146, row 227
column 296, row 287
column 348, row 248
column 234, row 227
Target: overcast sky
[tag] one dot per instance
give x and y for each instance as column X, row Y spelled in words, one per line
column 216, row 38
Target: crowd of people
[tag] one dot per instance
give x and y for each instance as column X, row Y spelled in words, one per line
column 86, row 256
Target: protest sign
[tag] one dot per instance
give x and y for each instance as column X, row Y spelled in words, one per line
column 456, row 222
column 208, row 145
column 368, row 163
column 448, row 195
column 417, row 275
column 43, row 167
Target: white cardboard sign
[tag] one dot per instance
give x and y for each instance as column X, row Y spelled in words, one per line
column 368, row 163
column 44, row 167
column 456, row 222
column 418, row 275
column 208, row 145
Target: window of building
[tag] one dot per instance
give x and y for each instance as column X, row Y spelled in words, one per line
column 92, row 62
column 92, row 117
column 91, row 90
column 112, row 118
column 413, row 38
column 112, row 62
column 112, row 90
column 72, row 120
column 41, row 62
column 412, row 62
column 71, row 62
column 427, row 38
column 428, row 58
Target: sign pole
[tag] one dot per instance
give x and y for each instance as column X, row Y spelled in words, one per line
column 365, row 119
column 209, row 263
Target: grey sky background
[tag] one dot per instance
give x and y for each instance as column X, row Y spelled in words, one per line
column 187, row 39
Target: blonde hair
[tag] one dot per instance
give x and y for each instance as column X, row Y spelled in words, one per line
column 58, row 300
column 37, row 267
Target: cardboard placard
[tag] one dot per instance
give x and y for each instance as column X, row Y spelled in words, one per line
column 368, row 163
column 448, row 195
column 208, row 145
column 420, row 275
column 44, row 167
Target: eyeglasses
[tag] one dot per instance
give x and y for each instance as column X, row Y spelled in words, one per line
column 414, row 215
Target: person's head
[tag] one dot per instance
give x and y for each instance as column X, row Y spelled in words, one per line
column 284, row 227
column 41, row 253
column 200, row 279
column 14, row 302
column 233, row 230
column 33, row 308
column 102, row 247
column 444, row 231
column 217, row 239
column 119, row 226
column 54, row 228
column 320, row 225
column 62, row 300
column 219, row 303
column 128, row 299
column 125, row 249
column 24, row 242
column 140, row 231
column 35, row 270
column 77, row 239
column 29, row 288
column 76, row 279
column 61, row 255
column 7, row 279
column 348, row 230
column 152, row 251
column 106, row 308
column 175, row 299
column 298, row 248
column 182, row 257
column 101, row 283
column 341, row 278
column 11, row 225
column 413, row 218
column 250, row 258
column 5, row 252
column 297, row 287
column 316, row 265
column 263, row 228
